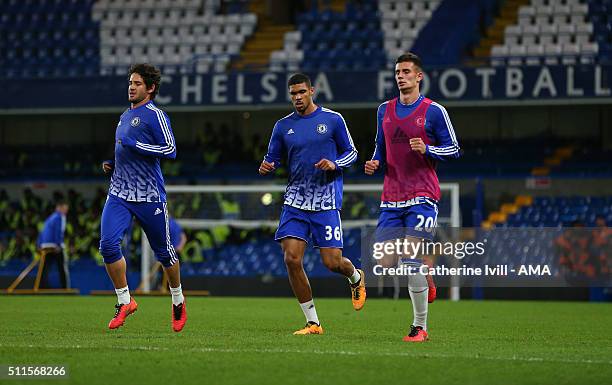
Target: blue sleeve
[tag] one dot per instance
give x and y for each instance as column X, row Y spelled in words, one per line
column 276, row 148
column 380, row 149
column 161, row 131
column 344, row 143
column 51, row 234
column 440, row 130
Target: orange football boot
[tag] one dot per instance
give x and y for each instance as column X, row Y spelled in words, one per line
column 310, row 328
column 358, row 292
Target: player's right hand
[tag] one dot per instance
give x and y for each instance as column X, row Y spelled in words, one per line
column 371, row 166
column 107, row 166
column 266, row 167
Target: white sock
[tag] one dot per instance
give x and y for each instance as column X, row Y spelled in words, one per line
column 418, row 289
column 310, row 312
column 355, row 277
column 177, row 295
column 123, row 295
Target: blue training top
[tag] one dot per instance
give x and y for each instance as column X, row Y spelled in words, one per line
column 52, row 234
column 143, row 137
column 305, row 140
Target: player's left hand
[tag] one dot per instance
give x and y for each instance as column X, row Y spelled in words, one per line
column 417, row 144
column 325, row 165
column 107, row 166
column 266, row 167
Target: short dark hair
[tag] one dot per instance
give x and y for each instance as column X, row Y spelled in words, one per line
column 411, row 58
column 150, row 74
column 299, row 78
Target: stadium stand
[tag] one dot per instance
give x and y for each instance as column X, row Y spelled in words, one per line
column 221, row 251
column 556, row 32
column 330, row 40
column 451, row 31
column 180, row 36
column 600, row 14
column 369, row 35
column 585, row 163
column 48, row 39
column 576, row 254
column 224, row 251
column 268, row 36
column 402, row 22
column 66, row 38
column 557, row 211
column 569, row 233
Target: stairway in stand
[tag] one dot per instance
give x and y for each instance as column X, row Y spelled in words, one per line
column 267, row 38
column 495, row 33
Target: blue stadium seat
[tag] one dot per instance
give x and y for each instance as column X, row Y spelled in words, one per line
column 40, row 33
column 324, row 34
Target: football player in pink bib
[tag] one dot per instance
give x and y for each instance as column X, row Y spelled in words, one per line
column 413, row 134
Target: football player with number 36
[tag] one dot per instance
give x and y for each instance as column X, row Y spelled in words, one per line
column 317, row 145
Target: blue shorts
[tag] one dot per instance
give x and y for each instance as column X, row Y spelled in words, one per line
column 417, row 221
column 324, row 227
column 152, row 216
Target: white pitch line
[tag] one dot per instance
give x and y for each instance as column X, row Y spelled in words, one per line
column 318, row 352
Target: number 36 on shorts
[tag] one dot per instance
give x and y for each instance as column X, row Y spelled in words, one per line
column 335, row 232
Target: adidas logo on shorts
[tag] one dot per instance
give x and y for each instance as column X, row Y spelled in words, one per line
column 157, row 211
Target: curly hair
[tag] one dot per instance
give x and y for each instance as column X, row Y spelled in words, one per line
column 150, row 74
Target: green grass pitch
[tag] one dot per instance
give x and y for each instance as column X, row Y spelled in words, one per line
column 249, row 341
